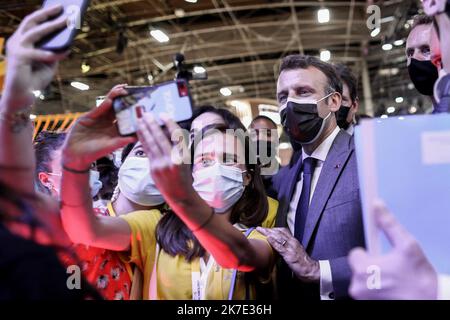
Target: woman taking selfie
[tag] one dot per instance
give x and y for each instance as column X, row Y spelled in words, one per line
column 168, row 248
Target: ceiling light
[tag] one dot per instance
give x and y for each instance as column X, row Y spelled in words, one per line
column 390, row 110
column 199, row 69
column 37, row 93
column 399, row 99
column 285, row 145
column 79, row 85
column 387, row 47
column 159, row 35
column 85, row 67
column 180, row 13
column 226, row 92
column 384, row 116
column 375, row 32
column 412, row 109
column 323, row 15
column 191, row 1
column 32, row 116
column 389, row 72
column 399, row 43
column 325, row 55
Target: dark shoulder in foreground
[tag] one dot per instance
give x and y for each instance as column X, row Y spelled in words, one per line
column 29, row 271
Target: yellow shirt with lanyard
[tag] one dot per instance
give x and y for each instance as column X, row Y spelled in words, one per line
column 176, row 278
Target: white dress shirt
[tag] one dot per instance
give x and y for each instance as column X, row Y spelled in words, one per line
column 351, row 129
column 321, row 153
column 444, row 287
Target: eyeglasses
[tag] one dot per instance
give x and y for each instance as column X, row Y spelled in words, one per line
column 54, row 174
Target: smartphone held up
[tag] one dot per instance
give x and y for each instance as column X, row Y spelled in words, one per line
column 62, row 39
column 171, row 98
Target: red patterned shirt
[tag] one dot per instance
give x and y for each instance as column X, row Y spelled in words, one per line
column 104, row 269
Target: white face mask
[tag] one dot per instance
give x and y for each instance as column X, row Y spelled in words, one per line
column 219, row 185
column 136, row 183
column 94, row 182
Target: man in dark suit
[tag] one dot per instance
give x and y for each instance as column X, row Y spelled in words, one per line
column 318, row 192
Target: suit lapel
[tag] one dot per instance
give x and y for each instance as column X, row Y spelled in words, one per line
column 331, row 170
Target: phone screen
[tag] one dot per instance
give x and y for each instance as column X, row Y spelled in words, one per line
column 171, row 98
column 62, row 39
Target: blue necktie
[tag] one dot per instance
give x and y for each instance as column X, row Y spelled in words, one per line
column 308, row 166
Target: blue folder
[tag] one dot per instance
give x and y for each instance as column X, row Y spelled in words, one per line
column 405, row 161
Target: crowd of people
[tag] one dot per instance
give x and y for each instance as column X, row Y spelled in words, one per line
column 210, row 215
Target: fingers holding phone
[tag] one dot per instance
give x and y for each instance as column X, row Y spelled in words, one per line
column 30, row 68
column 95, row 134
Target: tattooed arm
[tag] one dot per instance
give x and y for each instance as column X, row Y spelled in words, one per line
column 28, row 69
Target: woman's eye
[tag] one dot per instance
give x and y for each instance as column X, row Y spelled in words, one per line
column 206, row 162
column 140, row 153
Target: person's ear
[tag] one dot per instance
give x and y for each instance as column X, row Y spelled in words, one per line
column 44, row 179
column 247, row 179
column 335, row 101
column 355, row 105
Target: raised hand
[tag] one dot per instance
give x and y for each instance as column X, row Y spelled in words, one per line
column 403, row 273
column 293, row 253
column 30, row 68
column 94, row 135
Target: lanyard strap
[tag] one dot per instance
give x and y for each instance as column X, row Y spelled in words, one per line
column 153, row 289
column 234, row 275
column 200, row 277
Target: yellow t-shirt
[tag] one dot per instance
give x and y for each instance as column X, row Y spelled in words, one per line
column 174, row 274
column 269, row 222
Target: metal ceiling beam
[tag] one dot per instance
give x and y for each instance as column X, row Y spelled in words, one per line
column 282, row 5
column 185, row 34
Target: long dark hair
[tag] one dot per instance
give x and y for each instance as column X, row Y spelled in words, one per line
column 176, row 238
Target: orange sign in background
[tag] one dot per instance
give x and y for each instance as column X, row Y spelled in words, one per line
column 54, row 122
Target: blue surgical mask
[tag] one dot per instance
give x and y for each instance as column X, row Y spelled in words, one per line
column 94, row 182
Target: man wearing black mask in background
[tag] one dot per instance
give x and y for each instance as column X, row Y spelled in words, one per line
column 319, row 215
column 264, row 133
column 421, row 70
column 346, row 116
column 440, row 50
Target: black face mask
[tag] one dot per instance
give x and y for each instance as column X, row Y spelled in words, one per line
column 341, row 117
column 265, row 152
column 302, row 121
column 423, row 74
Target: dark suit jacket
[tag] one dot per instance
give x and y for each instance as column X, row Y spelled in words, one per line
column 334, row 222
